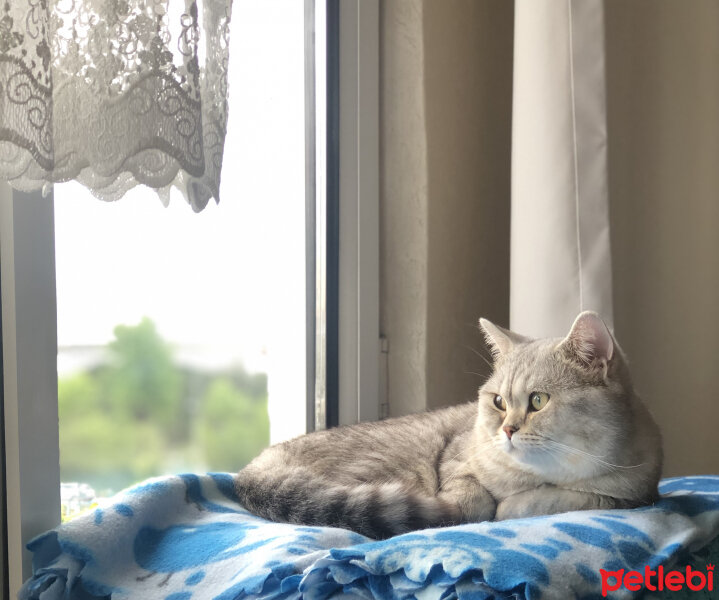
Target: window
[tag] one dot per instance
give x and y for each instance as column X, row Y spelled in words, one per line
column 174, row 326
column 349, row 176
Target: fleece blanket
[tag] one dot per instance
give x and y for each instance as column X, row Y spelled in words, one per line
column 186, row 538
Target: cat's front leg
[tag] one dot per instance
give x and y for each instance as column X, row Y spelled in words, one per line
column 474, row 501
column 548, row 500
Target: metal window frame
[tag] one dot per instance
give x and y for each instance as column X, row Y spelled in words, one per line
column 312, row 294
column 359, row 337
column 29, row 375
column 330, row 236
column 347, row 350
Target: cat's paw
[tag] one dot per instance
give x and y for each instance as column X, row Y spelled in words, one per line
column 527, row 504
column 479, row 510
column 475, row 503
column 511, row 508
column 549, row 500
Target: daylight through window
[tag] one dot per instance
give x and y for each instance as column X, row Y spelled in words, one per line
column 182, row 336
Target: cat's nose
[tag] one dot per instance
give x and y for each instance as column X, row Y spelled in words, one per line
column 509, row 430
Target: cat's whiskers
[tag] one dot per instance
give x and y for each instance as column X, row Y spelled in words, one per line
column 484, row 358
column 555, row 450
column 476, row 327
column 592, row 457
column 563, row 448
column 529, row 441
column 483, row 376
column 543, row 448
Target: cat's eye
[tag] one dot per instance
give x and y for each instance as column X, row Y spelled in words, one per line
column 499, row 402
column 538, row 400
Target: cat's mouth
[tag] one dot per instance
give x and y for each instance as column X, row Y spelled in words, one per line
column 526, row 444
column 507, row 444
column 518, row 447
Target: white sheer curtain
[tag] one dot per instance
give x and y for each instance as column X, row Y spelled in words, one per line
column 560, row 251
column 114, row 93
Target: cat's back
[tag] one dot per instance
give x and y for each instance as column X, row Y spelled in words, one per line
column 400, row 448
column 379, row 479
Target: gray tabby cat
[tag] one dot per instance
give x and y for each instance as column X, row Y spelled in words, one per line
column 557, row 427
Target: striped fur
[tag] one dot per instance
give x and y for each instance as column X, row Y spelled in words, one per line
column 375, row 510
column 371, row 478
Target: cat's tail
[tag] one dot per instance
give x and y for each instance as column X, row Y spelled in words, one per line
column 376, row 510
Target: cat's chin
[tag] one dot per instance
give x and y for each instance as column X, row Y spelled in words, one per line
column 547, row 470
column 530, row 456
column 519, row 453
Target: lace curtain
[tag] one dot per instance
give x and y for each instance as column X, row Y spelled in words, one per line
column 114, row 93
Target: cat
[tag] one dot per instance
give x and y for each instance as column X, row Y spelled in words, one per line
column 556, row 427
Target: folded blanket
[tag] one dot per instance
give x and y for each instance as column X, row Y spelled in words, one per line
column 186, row 538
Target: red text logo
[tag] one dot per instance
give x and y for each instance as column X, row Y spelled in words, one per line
column 658, row 580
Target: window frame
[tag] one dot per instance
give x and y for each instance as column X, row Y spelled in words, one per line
column 357, row 148
column 29, row 365
column 347, row 351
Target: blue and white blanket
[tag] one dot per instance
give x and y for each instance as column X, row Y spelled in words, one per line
column 186, row 538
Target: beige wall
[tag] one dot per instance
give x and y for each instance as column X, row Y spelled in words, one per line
column 468, row 102
column 403, row 204
column 446, row 123
column 445, row 155
column 663, row 118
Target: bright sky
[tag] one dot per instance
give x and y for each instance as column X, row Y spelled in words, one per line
column 230, row 280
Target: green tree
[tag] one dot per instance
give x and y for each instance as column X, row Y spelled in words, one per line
column 77, row 395
column 117, row 422
column 98, row 448
column 232, row 426
column 138, row 415
column 108, row 453
column 142, row 381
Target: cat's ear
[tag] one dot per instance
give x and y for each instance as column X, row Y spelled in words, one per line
column 499, row 339
column 589, row 341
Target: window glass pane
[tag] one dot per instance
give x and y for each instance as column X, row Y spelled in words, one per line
column 182, row 336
